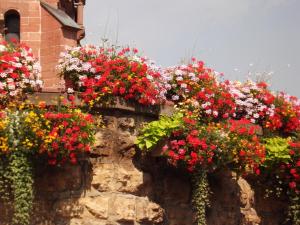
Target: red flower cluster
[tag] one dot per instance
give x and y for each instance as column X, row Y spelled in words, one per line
column 287, row 114
column 214, row 144
column 69, row 135
column 192, row 147
column 293, row 168
column 248, row 152
column 19, row 71
column 197, row 86
column 215, row 101
column 116, row 72
column 121, row 76
column 244, row 127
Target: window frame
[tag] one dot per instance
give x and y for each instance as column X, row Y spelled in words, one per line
column 12, row 14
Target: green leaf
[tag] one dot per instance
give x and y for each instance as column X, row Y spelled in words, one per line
column 148, row 144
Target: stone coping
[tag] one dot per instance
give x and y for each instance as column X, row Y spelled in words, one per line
column 52, row 98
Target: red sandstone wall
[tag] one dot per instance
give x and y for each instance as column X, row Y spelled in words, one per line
column 53, row 39
column 30, row 20
column 44, row 34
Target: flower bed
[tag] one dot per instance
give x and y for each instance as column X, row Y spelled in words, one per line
column 29, row 133
column 228, row 124
column 100, row 74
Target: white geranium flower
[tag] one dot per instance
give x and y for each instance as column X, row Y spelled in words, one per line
column 70, row 90
column 183, row 85
column 2, row 48
column 175, row 97
column 256, row 115
column 179, row 78
column 178, row 72
column 208, row 111
column 39, row 82
column 215, row 113
column 11, row 86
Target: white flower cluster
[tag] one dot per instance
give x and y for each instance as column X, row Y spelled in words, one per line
column 179, row 77
column 76, row 59
column 249, row 100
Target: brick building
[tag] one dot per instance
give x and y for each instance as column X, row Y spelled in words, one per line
column 46, row 26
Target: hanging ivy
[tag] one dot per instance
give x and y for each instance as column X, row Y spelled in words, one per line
column 18, row 170
column 21, row 179
column 294, row 209
column 16, row 183
column 200, row 195
column 4, row 181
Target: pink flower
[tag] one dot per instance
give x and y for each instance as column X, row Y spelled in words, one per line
column 292, row 185
column 181, row 151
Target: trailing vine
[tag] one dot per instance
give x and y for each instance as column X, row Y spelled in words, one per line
column 4, row 181
column 21, row 177
column 294, row 209
column 20, row 170
column 200, row 195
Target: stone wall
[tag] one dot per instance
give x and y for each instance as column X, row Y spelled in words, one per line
column 115, row 185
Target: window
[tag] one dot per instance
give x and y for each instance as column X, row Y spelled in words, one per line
column 12, row 25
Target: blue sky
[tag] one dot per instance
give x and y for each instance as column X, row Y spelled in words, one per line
column 237, row 37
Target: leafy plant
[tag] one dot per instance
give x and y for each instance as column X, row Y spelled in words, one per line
column 156, row 131
column 21, row 178
column 17, row 169
column 277, row 150
column 200, row 195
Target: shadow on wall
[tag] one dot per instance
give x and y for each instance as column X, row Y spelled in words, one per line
column 57, row 194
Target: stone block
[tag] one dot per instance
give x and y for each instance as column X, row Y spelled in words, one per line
column 68, row 208
column 125, row 141
column 128, row 179
column 97, row 206
column 148, row 212
column 103, row 177
column 66, row 178
column 123, row 208
column 246, row 193
column 126, row 123
column 103, row 143
column 75, row 221
column 177, row 190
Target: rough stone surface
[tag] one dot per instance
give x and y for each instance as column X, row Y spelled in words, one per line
column 117, row 186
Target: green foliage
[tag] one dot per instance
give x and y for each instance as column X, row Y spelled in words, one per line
column 200, row 195
column 17, row 172
column 156, row 131
column 21, row 179
column 277, row 150
column 4, row 181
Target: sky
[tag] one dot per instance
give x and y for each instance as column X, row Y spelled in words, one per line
column 241, row 38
